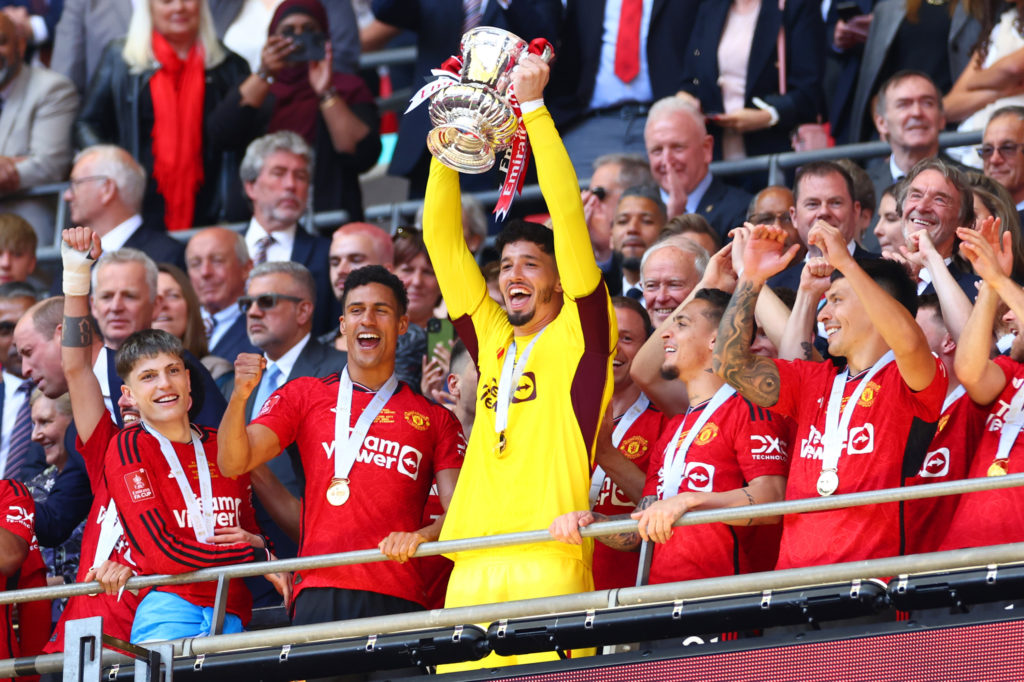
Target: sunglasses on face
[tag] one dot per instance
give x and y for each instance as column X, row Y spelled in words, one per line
column 264, row 301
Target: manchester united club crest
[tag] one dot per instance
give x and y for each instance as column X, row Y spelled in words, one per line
column 417, row 420
column 707, row 434
column 868, row 396
column 634, row 447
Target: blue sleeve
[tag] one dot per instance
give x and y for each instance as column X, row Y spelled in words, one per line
column 68, row 503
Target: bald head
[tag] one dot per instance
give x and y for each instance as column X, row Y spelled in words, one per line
column 677, row 143
column 356, row 245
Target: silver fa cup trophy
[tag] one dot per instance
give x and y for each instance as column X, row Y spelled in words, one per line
column 473, row 118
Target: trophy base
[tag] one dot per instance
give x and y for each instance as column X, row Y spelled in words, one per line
column 460, row 148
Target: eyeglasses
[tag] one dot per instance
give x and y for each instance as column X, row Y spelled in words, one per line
column 599, row 192
column 782, row 218
column 1005, row 150
column 75, row 182
column 265, row 301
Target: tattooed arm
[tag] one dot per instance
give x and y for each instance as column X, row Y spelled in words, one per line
column 566, row 528
column 78, row 336
column 756, row 378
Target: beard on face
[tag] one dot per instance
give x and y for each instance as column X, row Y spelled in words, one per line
column 519, row 319
column 669, row 372
column 630, row 263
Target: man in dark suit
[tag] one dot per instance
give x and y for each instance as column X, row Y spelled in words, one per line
column 105, row 193
column 602, row 108
column 822, row 191
column 279, row 321
column 218, row 265
column 908, row 114
column 276, row 173
column 680, row 149
column 439, row 25
column 124, row 295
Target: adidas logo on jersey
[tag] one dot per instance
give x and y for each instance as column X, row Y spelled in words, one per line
column 386, row 454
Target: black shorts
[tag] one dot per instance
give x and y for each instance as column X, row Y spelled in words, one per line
column 327, row 604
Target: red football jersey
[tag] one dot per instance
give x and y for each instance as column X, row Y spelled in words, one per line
column 155, row 518
column 992, row 517
column 738, row 443
column 613, row 568
column 890, row 427
column 434, row 570
column 117, row 614
column 407, row 444
column 949, row 457
column 17, row 516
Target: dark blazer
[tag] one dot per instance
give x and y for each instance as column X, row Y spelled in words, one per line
column 118, row 108
column 967, row 280
column 438, row 28
column 888, row 15
column 68, row 503
column 841, row 73
column 234, row 341
column 724, row 207
column 315, row 360
column 312, row 251
column 208, row 404
column 805, row 45
column 790, row 277
column 574, row 73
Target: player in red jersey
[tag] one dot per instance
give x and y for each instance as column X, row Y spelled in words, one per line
column 21, row 566
column 856, row 429
column 630, row 436
column 722, row 452
column 176, row 510
column 994, row 516
column 367, row 489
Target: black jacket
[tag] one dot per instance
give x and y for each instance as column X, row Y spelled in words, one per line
column 118, row 109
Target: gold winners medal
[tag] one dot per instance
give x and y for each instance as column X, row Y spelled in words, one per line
column 998, row 468
column 828, row 482
column 338, row 492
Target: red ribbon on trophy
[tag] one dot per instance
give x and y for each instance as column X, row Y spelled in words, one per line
column 447, row 75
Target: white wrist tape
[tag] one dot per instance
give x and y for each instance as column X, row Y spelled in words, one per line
column 77, row 266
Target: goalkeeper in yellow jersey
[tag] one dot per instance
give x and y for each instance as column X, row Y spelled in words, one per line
column 545, row 375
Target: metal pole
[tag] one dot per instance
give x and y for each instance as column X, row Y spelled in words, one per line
column 694, row 518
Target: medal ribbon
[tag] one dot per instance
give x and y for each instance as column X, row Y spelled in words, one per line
column 1011, row 426
column 675, row 459
column 110, row 532
column 837, row 427
column 346, row 444
column 201, row 514
column 511, row 372
column 632, row 414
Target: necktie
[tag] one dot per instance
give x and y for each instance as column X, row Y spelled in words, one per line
column 627, row 44
column 267, row 386
column 635, row 294
column 262, row 245
column 472, row 14
column 208, row 326
column 21, row 436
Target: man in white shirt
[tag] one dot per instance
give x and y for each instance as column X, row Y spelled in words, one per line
column 276, row 173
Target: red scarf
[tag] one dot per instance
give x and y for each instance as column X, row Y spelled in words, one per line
column 178, row 88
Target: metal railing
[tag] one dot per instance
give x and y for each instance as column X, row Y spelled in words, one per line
column 403, row 212
column 712, row 587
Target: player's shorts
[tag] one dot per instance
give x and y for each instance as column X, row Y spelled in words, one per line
column 165, row 615
column 507, row 576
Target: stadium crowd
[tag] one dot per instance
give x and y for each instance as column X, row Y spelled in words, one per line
column 667, row 340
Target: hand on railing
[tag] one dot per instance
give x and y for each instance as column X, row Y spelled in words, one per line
column 111, row 575
column 282, row 582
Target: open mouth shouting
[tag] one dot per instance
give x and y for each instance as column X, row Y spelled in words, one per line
column 518, row 297
column 367, row 340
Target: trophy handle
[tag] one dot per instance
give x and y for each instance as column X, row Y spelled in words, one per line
column 540, row 47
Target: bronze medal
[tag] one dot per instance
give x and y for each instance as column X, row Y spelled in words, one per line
column 998, row 468
column 338, row 492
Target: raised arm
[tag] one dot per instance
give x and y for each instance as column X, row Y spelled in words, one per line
column 755, row 377
column 798, row 337
column 577, row 268
column 80, row 249
column 893, row 321
column 239, row 448
column 953, row 302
